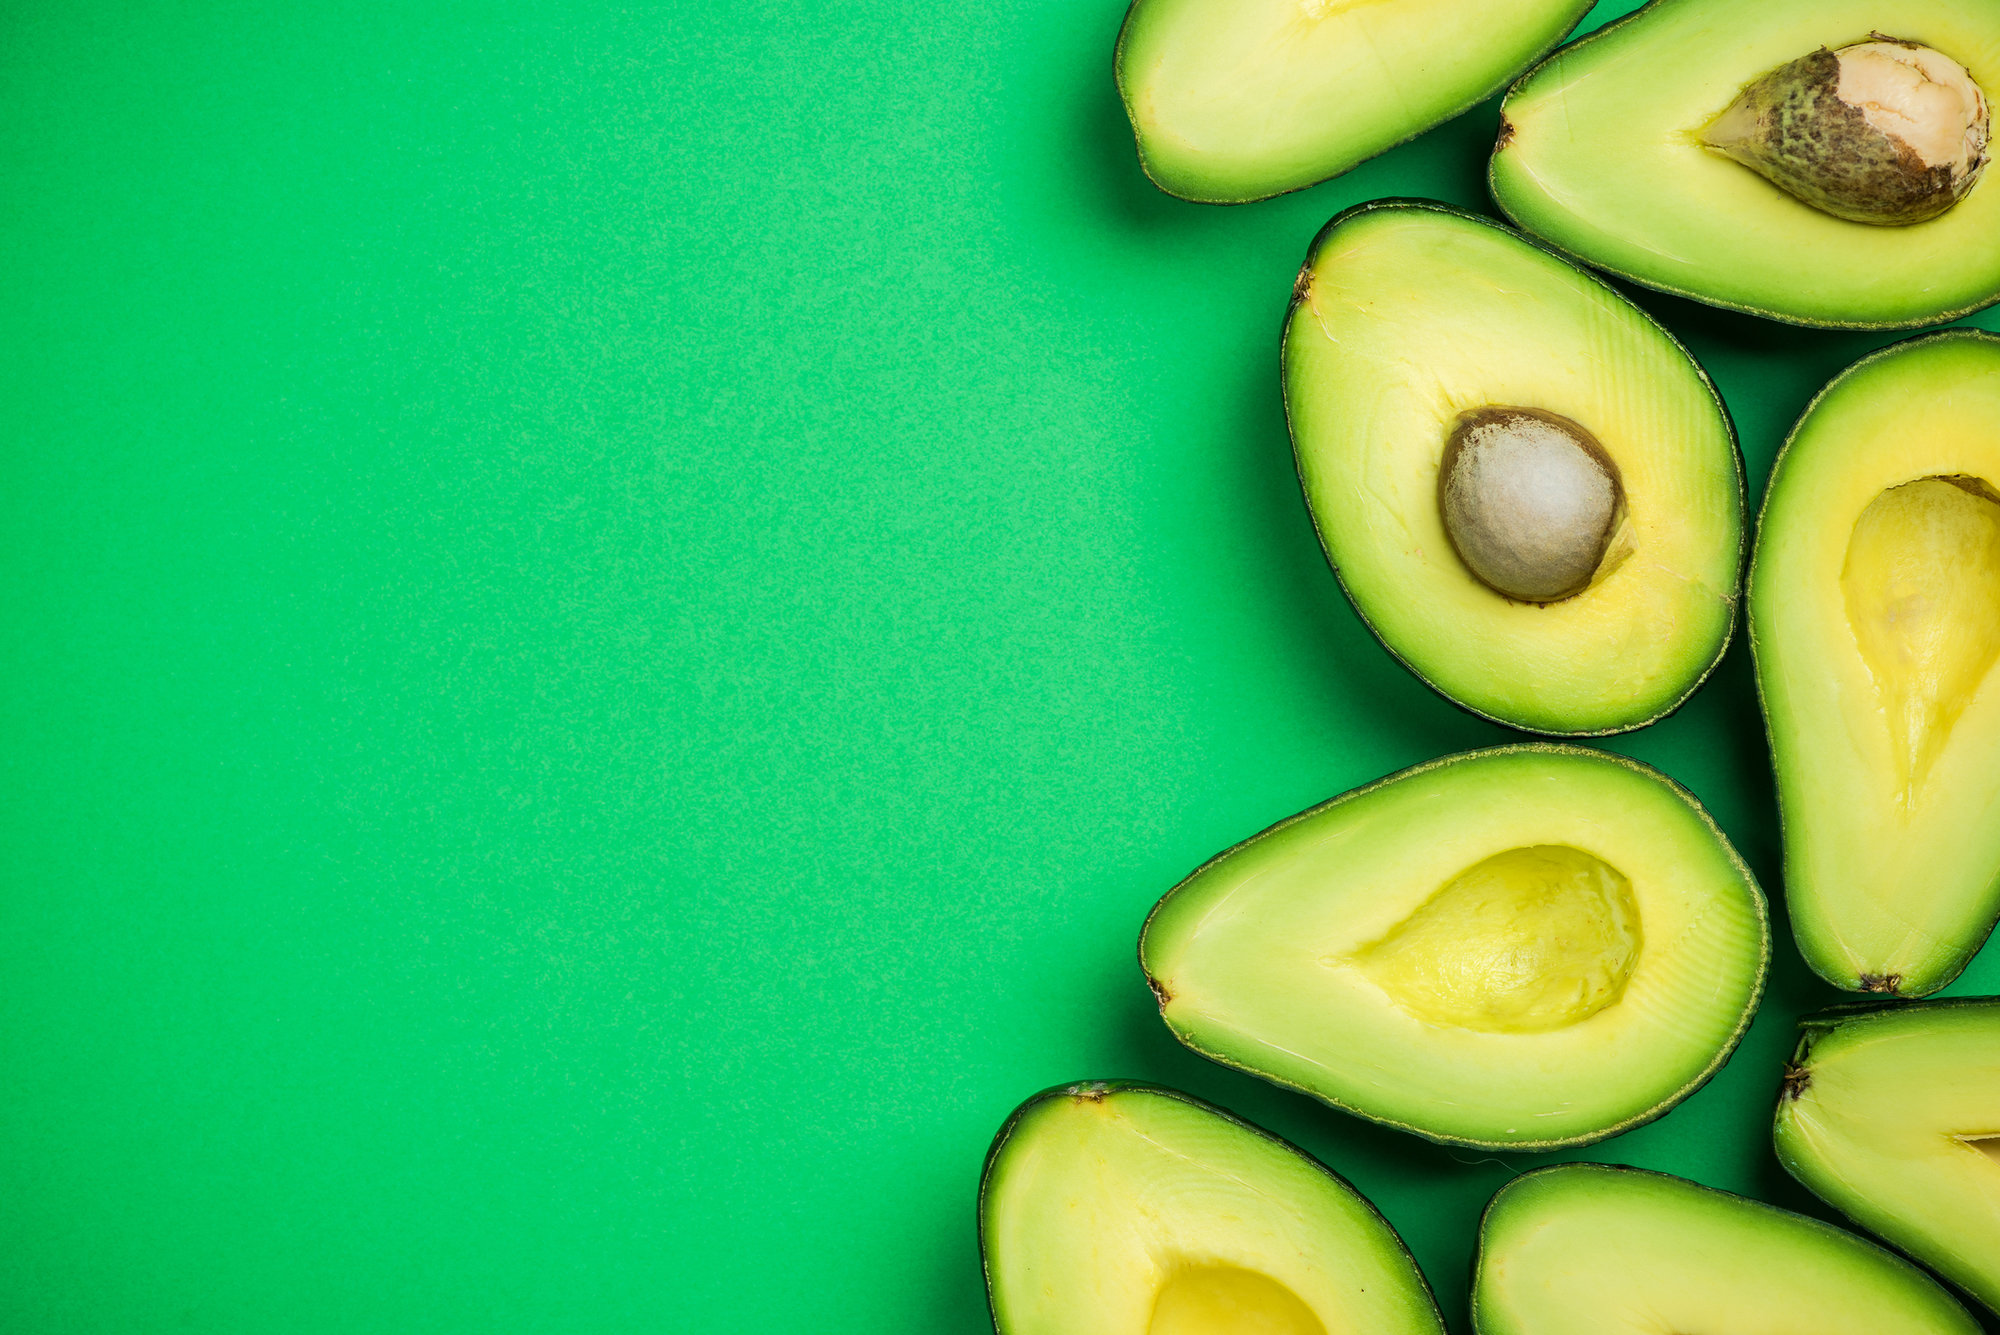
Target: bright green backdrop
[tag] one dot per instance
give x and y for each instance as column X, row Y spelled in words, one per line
column 610, row 616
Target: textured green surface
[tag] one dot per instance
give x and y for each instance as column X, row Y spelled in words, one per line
column 611, row 618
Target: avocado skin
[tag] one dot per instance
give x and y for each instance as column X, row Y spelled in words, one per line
column 1506, row 136
column 1529, row 1146
column 1326, row 550
column 1827, row 965
column 1812, row 141
column 1139, row 146
column 1099, row 1089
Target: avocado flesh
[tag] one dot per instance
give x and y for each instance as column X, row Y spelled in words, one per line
column 1875, row 623
column 1583, row 1249
column 1525, row 947
column 1601, row 154
column 1111, row 1209
column 1408, row 316
column 1237, row 100
column 1891, row 1116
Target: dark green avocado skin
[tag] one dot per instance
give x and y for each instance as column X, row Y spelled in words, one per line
column 1326, row 551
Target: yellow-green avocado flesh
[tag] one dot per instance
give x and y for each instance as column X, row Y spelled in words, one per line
column 1583, row 1249
column 1875, row 623
column 1237, row 100
column 1118, row 1209
column 1526, row 947
column 1409, row 315
column 1893, row 1117
column 1601, row 154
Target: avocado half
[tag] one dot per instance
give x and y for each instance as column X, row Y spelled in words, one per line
column 1408, row 318
column 1585, row 1249
column 1892, row 1116
column 1525, row 947
column 1238, row 100
column 1110, row 1208
column 1600, row 153
column 1875, row 623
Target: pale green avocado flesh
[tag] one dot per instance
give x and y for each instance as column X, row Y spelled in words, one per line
column 1893, row 1117
column 1875, row 623
column 1602, row 153
column 1525, row 947
column 1412, row 320
column 1114, row 1209
column 1583, row 1249
column 1235, row 100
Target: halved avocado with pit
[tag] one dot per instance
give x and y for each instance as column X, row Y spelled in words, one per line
column 1526, row 947
column 1237, row 100
column 1585, row 1249
column 1892, row 1116
column 1121, row 1209
column 1875, row 624
column 1622, row 149
column 1528, row 489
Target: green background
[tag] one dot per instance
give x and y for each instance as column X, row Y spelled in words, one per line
column 613, row 615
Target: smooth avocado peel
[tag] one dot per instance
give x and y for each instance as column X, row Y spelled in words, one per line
column 1813, row 161
column 1528, row 489
column 1237, row 100
column 1586, row 1249
column 1523, row 948
column 1110, row 1208
column 1892, row 1116
column 1875, row 624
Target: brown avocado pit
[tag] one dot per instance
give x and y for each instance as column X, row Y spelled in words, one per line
column 1884, row 132
column 1529, row 500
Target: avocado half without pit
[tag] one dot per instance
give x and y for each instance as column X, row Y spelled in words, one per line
column 1528, row 489
column 1815, row 161
column 1875, row 625
column 1527, row 947
column 1119, row 1209
column 1236, row 100
column 1893, row 1117
column 1583, row 1249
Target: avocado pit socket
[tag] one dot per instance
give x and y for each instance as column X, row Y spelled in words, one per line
column 1212, row 1299
column 1921, row 582
column 1528, row 940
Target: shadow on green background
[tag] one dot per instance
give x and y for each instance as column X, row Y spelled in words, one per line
column 613, row 615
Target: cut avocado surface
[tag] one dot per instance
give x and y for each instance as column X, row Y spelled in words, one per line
column 1611, row 149
column 1528, row 489
column 1525, row 947
column 1583, row 1249
column 1893, row 1116
column 1235, row 100
column 1117, row 1209
column 1875, row 622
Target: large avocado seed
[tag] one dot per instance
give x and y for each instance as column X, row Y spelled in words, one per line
column 1529, row 500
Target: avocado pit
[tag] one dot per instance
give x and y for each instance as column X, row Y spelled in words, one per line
column 1529, row 500
column 1884, row 132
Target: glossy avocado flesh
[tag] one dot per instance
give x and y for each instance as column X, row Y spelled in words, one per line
column 1115, row 1209
column 1606, row 149
column 1575, row 574
column 1893, row 1117
column 1525, row 947
column 1582, row 1249
column 1875, row 622
column 1235, row 100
